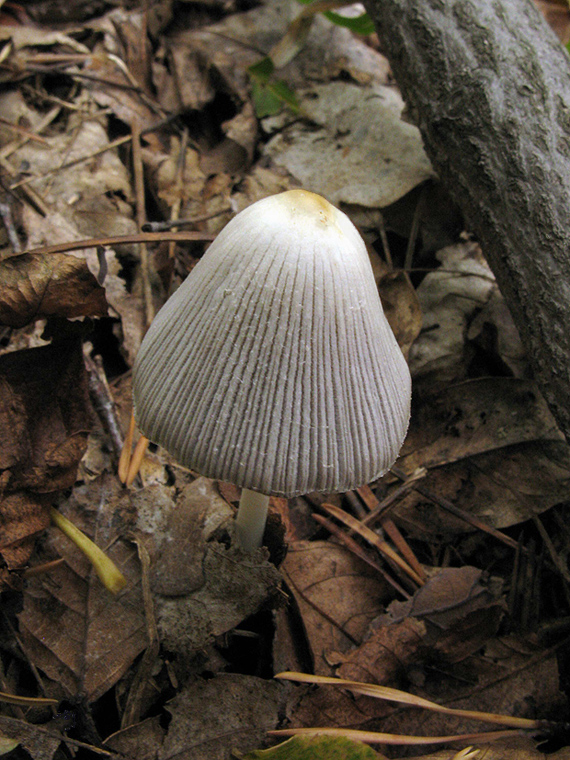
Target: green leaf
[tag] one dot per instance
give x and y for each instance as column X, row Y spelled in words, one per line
column 315, row 748
column 359, row 25
column 262, row 70
column 265, row 102
column 269, row 95
column 7, row 744
column 362, row 24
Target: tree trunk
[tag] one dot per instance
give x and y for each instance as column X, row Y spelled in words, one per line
column 488, row 84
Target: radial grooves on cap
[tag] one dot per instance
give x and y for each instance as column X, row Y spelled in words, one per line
column 273, row 366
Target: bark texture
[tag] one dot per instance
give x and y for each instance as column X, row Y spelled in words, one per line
column 488, row 84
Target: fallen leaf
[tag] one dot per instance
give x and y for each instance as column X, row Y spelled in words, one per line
column 361, row 152
column 202, row 588
column 38, row 742
column 497, row 679
column 36, row 285
column 72, row 628
column 401, row 306
column 494, row 334
column 492, row 448
column 57, row 228
column 337, row 594
column 383, row 658
column 450, row 297
column 462, row 611
column 44, row 422
column 212, row 718
column 141, row 741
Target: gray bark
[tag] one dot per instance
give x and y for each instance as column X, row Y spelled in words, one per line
column 488, row 84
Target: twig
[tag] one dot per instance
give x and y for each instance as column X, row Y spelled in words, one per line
column 21, row 131
column 35, row 199
column 110, row 146
column 388, row 525
column 385, row 242
column 11, row 147
column 160, row 226
column 357, row 550
column 143, row 673
column 138, row 172
column 379, row 509
column 414, row 231
column 126, row 452
column 372, row 538
column 449, row 507
column 102, row 400
column 139, row 237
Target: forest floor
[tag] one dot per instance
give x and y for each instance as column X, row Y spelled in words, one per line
column 130, row 134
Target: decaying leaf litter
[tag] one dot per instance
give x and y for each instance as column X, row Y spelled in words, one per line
column 180, row 663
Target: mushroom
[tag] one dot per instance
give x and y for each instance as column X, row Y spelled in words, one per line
column 273, row 366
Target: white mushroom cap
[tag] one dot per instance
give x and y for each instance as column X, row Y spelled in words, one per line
column 273, row 366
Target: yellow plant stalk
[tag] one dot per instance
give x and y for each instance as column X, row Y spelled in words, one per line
column 14, row 699
column 403, row 697
column 109, row 574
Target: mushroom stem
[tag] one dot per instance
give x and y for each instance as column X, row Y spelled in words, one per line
column 251, row 518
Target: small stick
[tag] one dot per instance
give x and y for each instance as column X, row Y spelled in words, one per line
column 138, row 172
column 385, row 243
column 14, row 145
column 379, row 508
column 24, row 132
column 34, row 198
column 103, row 401
column 357, row 550
column 366, row 494
column 147, row 237
column 402, row 545
column 449, row 507
column 110, row 146
column 45, row 568
column 372, row 538
column 160, row 226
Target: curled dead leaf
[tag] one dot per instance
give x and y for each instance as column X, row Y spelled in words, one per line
column 36, row 285
column 44, row 423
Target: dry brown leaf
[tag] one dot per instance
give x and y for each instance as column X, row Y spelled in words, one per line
column 450, row 298
column 40, row 744
column 337, row 594
column 497, row 680
column 492, row 448
column 202, row 588
column 140, row 741
column 56, row 228
column 80, row 635
column 461, row 608
column 383, row 658
column 35, row 286
column 401, row 306
column 229, row 712
column 44, row 423
column 386, row 654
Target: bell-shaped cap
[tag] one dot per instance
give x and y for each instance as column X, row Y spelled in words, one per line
column 273, row 366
